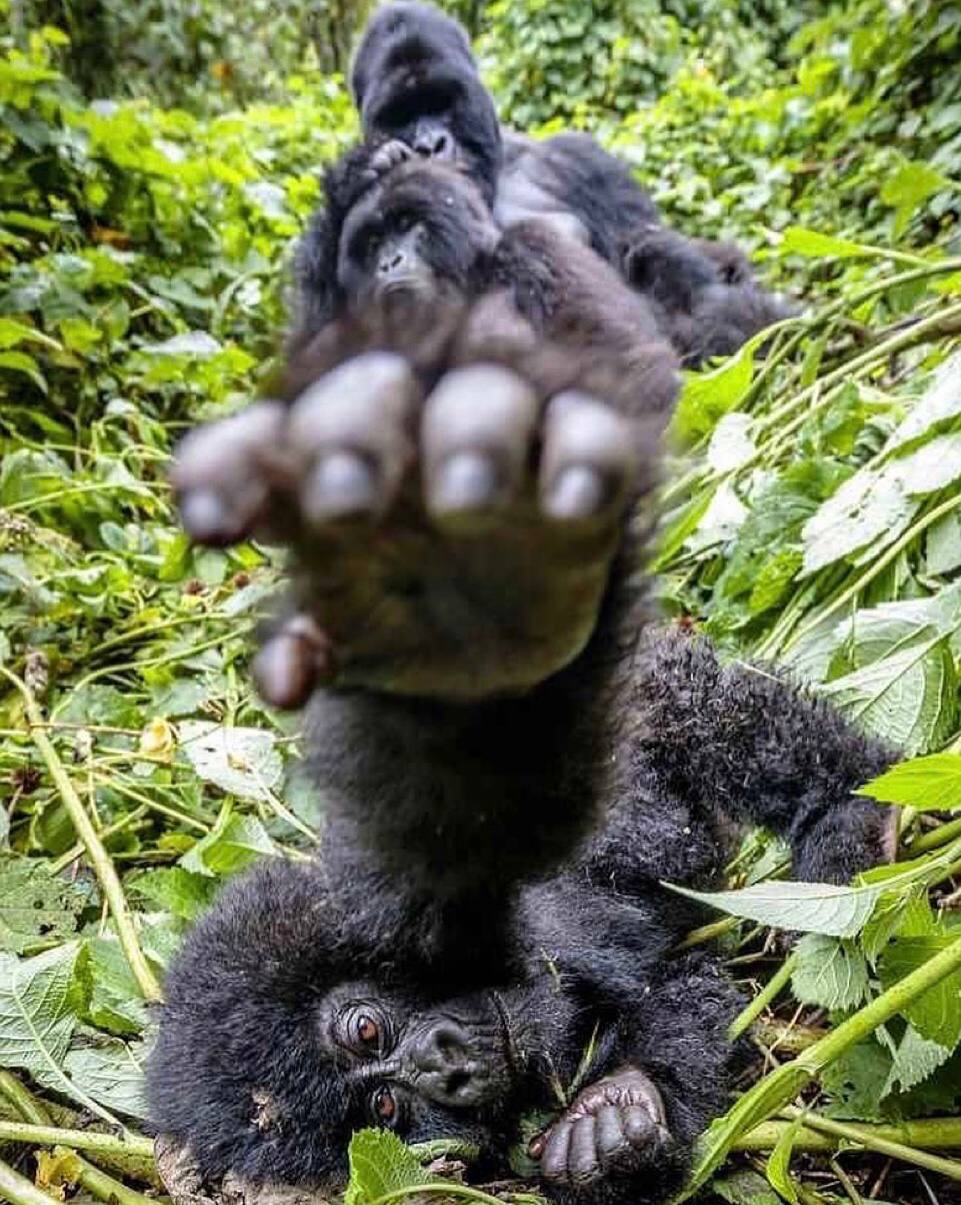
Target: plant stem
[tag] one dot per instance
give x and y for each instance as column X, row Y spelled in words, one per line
column 935, row 838
column 22, row 1100
column 18, row 1190
column 783, row 1084
column 106, row 1188
column 771, row 989
column 78, row 1140
column 884, row 1146
column 99, row 858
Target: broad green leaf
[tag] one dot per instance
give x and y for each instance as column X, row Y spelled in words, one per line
column 799, row 241
column 830, row 972
column 927, row 784
column 379, row 1164
column 808, row 907
column 732, row 443
column 915, row 1059
column 707, row 396
column 909, row 187
column 114, row 1001
column 242, row 761
column 942, row 545
column 175, row 889
column 230, row 846
column 38, row 1019
column 931, row 467
column 870, row 510
column 940, row 403
column 745, row 1187
column 936, row 1014
column 35, row 905
column 112, row 1073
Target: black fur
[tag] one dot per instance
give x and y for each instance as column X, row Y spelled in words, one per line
column 588, row 955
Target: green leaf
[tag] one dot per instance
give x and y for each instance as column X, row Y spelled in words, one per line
column 936, row 1014
column 111, row 1072
column 231, row 845
column 829, row 972
column 778, row 1167
column 242, row 761
column 870, row 510
column 35, row 905
column 745, row 1187
column 812, row 243
column 911, row 185
column 175, row 889
column 808, row 907
column 915, row 1060
column 38, row 1018
column 940, row 403
column 927, row 784
column 380, row 1164
column 707, row 396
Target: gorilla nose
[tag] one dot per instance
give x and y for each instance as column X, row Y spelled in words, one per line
column 447, row 1072
column 390, row 263
column 435, row 145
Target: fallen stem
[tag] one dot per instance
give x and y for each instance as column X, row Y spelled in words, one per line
column 96, row 853
column 106, row 1188
column 78, row 1140
column 875, row 1142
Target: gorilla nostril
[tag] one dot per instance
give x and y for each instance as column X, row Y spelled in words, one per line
column 457, row 1082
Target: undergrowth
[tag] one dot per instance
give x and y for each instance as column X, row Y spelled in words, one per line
column 812, row 517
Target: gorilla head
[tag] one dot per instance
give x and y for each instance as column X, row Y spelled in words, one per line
column 277, row 1041
column 414, row 79
column 422, row 231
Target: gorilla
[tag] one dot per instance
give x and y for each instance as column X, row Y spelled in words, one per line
column 416, row 85
column 512, row 763
column 301, row 1008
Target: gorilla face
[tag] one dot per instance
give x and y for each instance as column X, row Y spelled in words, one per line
column 421, row 232
column 271, row 1053
column 414, row 79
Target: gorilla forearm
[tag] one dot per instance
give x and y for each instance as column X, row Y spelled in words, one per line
column 752, row 745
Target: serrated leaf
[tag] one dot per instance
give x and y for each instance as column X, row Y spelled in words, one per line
column 111, row 1072
column 707, row 396
column 915, row 1059
column 242, row 761
column 940, row 403
column 869, row 509
column 175, row 889
column 830, row 972
column 380, row 1164
column 808, row 907
column 936, row 1014
column 35, row 904
column 37, row 1019
column 927, row 784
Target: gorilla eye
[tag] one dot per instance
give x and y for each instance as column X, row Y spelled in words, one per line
column 365, row 1031
column 384, row 1106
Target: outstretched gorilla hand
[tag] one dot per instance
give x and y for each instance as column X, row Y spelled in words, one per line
column 452, row 521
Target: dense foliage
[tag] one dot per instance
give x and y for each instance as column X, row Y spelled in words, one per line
column 813, row 515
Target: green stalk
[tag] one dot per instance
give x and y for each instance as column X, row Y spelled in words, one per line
column 935, row 838
column 884, row 1146
column 769, row 992
column 96, row 853
column 783, row 1084
column 104, row 1187
column 931, row 1133
column 77, row 1140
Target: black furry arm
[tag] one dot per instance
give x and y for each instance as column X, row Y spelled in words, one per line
column 748, row 743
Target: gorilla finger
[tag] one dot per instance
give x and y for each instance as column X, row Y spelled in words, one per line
column 582, row 1162
column 555, row 1152
column 588, row 458
column 291, row 663
column 638, row 1126
column 611, row 1139
column 476, row 432
column 350, row 432
column 217, row 477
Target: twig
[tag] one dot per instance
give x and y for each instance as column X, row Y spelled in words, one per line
column 104, row 1187
column 99, row 858
column 772, row 988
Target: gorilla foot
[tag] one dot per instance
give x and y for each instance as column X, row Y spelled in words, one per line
column 612, row 1128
